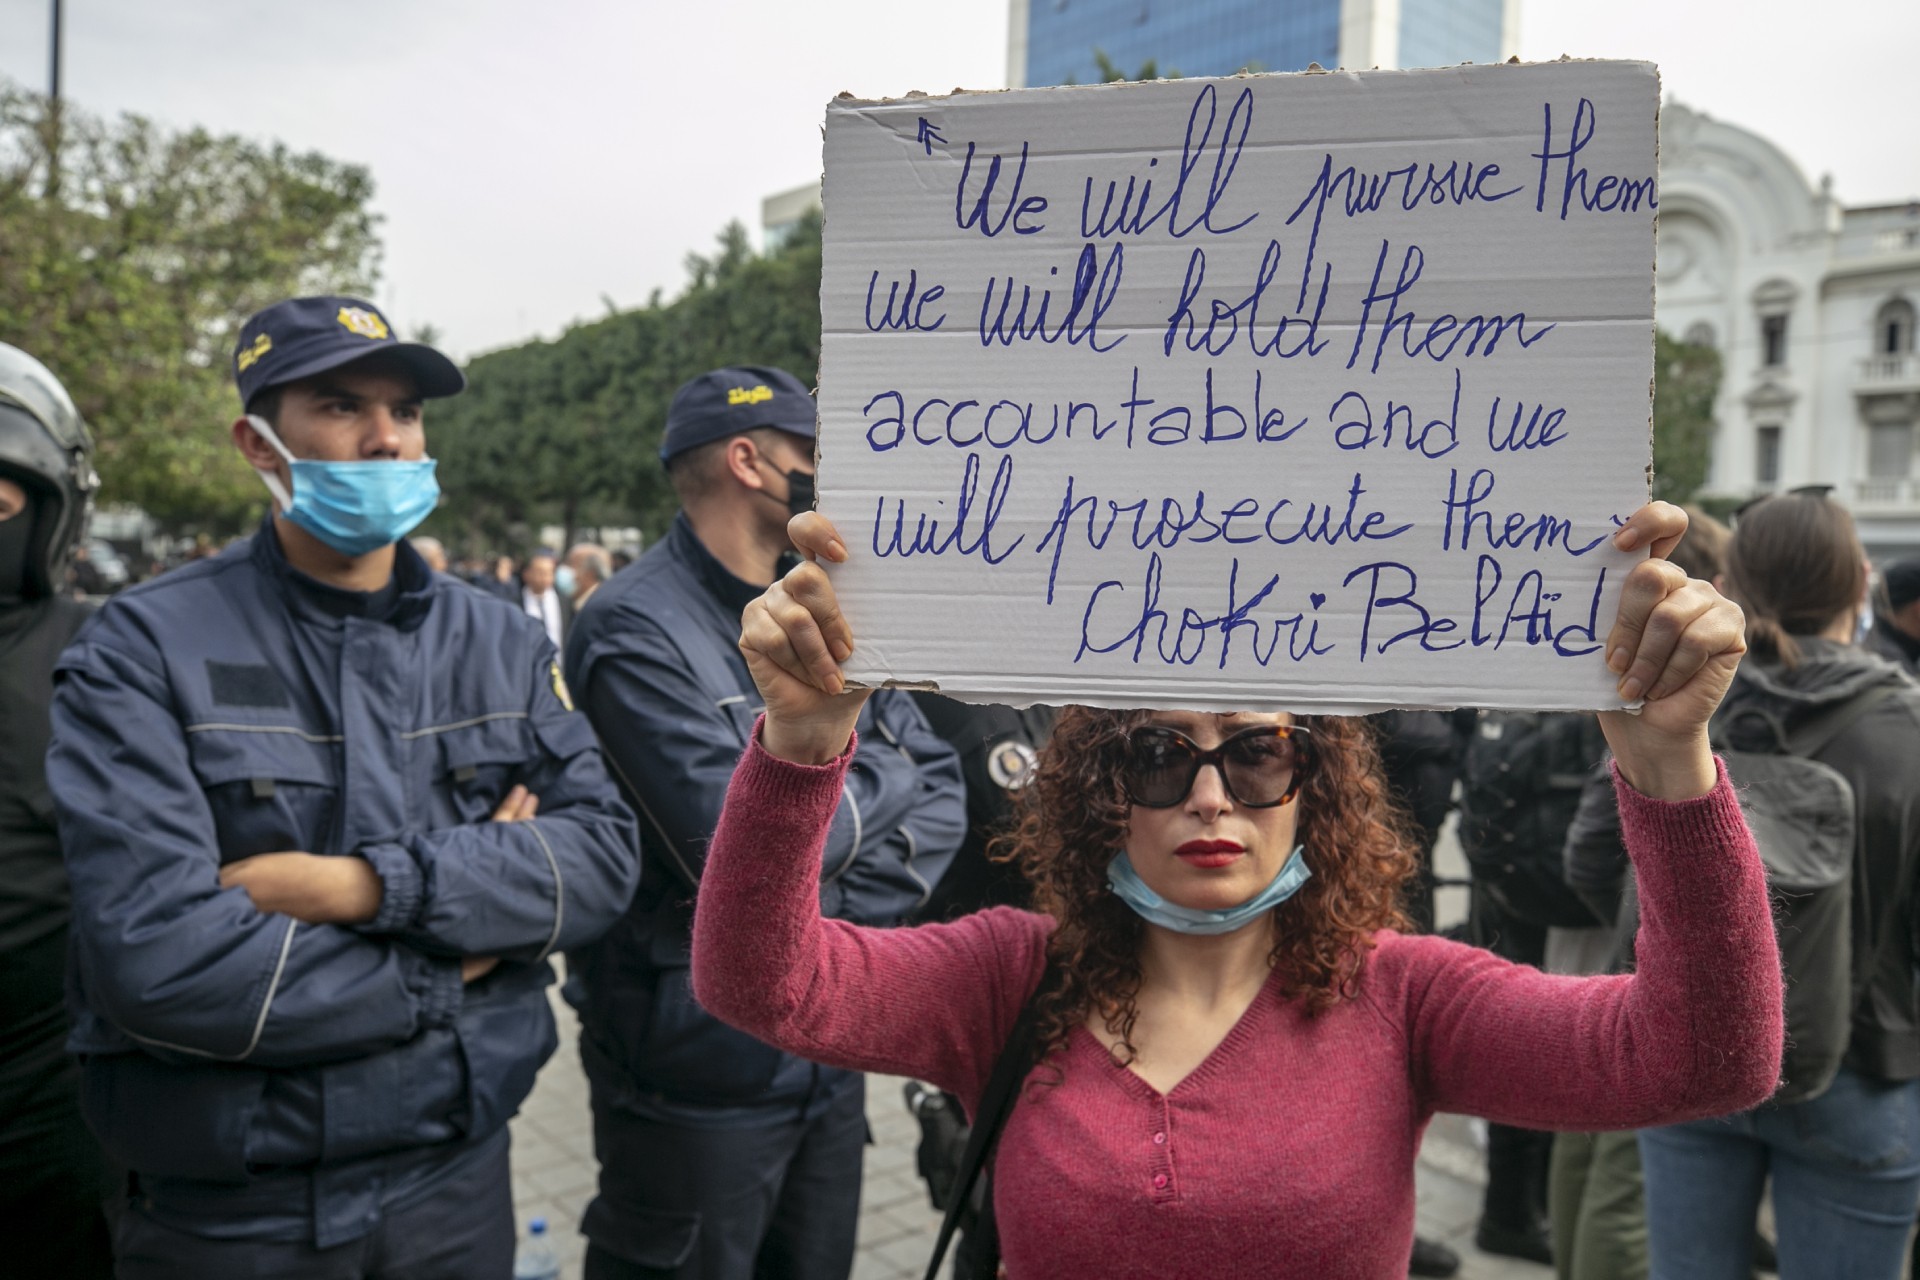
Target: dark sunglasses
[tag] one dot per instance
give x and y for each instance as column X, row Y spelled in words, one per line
column 1261, row 768
column 1798, row 491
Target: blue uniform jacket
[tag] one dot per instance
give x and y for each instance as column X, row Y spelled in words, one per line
column 655, row 659
column 268, row 1078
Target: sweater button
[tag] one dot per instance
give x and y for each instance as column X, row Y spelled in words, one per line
column 1160, row 1139
column 1159, row 1182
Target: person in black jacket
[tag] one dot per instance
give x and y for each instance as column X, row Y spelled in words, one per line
column 54, row 1181
column 998, row 748
column 1421, row 753
column 721, row 1157
column 1521, row 784
column 1896, row 615
column 1845, row 1164
column 1595, row 1186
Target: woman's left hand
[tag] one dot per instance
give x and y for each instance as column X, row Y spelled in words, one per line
column 1675, row 643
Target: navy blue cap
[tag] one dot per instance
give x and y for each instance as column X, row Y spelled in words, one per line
column 303, row 336
column 738, row 398
column 1902, row 578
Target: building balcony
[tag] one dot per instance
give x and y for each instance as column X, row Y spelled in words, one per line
column 1887, row 495
column 1881, row 375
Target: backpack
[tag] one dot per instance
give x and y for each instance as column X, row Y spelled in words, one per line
column 1520, row 786
column 1802, row 816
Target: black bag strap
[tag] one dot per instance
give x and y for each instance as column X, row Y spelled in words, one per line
column 1017, row 1058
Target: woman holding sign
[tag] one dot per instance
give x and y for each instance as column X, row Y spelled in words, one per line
column 1237, row 1051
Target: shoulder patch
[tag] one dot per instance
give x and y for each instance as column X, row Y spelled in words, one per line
column 1011, row 763
column 560, row 690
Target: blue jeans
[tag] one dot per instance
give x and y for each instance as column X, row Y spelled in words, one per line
column 1846, row 1182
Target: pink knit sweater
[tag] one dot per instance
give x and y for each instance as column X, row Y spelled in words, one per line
column 1290, row 1150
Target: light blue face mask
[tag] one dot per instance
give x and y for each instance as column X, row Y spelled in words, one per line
column 565, row 580
column 1154, row 909
column 353, row 507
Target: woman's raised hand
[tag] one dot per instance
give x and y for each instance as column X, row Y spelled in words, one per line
column 1675, row 643
column 794, row 639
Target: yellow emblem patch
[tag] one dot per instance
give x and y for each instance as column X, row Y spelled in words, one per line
column 560, row 686
column 749, row 395
column 245, row 360
column 363, row 322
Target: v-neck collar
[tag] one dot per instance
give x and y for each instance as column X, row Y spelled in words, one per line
column 1237, row 1035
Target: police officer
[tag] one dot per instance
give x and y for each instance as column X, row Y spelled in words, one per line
column 722, row 1158
column 326, row 815
column 999, row 748
column 53, row 1179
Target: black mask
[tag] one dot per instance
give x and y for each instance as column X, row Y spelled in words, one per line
column 800, row 492
column 16, row 535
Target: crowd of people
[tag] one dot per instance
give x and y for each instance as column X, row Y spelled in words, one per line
column 292, row 833
column 548, row 585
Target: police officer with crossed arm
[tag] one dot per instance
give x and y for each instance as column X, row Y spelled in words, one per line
column 326, row 816
column 722, row 1158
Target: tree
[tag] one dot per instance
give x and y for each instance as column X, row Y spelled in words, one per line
column 568, row 431
column 129, row 255
column 1686, row 380
column 1111, row 74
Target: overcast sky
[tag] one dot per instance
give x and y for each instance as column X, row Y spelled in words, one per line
column 535, row 159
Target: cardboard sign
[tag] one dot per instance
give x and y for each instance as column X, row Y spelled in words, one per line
column 1320, row 392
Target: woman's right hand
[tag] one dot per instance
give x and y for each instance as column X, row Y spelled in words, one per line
column 794, row 639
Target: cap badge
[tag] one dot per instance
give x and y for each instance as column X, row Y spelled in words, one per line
column 749, row 395
column 363, row 322
column 246, row 359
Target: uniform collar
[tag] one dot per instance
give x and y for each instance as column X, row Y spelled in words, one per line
column 314, row 598
column 732, row 592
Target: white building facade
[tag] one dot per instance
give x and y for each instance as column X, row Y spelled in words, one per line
column 1812, row 307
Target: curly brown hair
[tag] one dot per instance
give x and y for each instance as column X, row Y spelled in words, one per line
column 1074, row 816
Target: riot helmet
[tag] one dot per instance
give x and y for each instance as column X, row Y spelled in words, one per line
column 46, row 448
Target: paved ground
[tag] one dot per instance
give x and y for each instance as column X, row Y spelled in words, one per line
column 553, row 1168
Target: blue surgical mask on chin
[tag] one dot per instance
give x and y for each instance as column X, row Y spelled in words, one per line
column 353, row 507
column 1154, row 909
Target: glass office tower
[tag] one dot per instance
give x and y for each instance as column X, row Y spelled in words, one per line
column 1053, row 41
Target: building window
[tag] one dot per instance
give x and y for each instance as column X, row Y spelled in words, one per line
column 1773, row 341
column 1889, row 450
column 1699, row 334
column 1766, row 457
column 1893, row 329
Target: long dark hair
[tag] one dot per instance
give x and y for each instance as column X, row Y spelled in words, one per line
column 1795, row 564
column 1074, row 815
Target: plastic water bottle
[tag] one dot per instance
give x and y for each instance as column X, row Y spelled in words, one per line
column 536, row 1258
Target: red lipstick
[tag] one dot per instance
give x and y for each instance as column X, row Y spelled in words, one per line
column 1210, row 853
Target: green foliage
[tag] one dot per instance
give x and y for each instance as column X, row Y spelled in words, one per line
column 1686, row 379
column 1111, row 74
column 131, row 254
column 568, row 432
column 128, row 257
